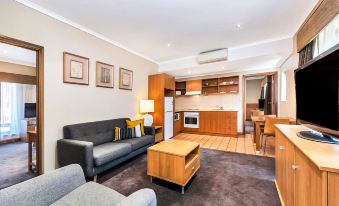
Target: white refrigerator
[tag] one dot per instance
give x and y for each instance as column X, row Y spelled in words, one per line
column 168, row 123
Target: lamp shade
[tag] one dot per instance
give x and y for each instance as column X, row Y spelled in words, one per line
column 146, row 106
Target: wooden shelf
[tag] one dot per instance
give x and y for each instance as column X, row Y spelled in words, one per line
column 214, row 86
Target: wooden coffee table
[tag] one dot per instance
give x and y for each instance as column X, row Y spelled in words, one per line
column 175, row 161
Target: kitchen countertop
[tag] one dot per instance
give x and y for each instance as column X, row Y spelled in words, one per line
column 206, row 110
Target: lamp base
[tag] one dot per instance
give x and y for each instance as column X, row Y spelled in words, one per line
column 148, row 120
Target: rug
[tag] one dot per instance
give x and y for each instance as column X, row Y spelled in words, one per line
column 13, row 164
column 224, row 178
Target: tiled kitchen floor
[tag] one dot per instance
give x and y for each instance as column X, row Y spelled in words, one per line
column 240, row 144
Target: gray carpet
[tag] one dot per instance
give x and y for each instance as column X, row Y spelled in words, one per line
column 249, row 127
column 13, row 164
column 224, row 178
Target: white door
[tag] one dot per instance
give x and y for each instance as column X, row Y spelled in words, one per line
column 168, row 125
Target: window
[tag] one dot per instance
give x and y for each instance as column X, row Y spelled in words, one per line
column 327, row 38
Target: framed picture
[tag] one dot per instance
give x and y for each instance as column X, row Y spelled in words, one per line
column 104, row 75
column 125, row 79
column 76, row 69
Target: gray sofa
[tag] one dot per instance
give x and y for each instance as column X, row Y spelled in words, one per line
column 67, row 187
column 91, row 145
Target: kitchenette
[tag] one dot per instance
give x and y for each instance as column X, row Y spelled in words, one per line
column 207, row 106
column 200, row 106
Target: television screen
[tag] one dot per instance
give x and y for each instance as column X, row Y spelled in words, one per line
column 317, row 92
column 30, row 110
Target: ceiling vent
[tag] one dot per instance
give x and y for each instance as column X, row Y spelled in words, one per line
column 216, row 55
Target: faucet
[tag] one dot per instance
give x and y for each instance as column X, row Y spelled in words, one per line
column 219, row 107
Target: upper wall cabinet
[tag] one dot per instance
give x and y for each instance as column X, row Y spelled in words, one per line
column 193, row 85
column 169, row 82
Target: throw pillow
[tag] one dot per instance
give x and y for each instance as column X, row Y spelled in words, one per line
column 119, row 134
column 135, row 128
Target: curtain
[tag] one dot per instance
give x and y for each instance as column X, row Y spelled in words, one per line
column 12, row 101
column 306, row 54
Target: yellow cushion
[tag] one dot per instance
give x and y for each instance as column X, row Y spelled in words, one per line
column 132, row 124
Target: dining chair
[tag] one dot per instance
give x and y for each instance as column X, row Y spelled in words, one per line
column 257, row 113
column 269, row 130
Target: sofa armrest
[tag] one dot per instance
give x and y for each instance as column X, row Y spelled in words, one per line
column 143, row 197
column 76, row 152
column 149, row 130
column 45, row 189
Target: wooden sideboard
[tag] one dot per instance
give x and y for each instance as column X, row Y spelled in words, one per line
column 307, row 172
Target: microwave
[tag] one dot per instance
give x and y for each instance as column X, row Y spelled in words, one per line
column 177, row 116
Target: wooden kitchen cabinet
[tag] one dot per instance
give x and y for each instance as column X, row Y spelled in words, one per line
column 193, row 85
column 216, row 122
column 306, row 172
column 169, row 82
column 159, row 87
column 177, row 127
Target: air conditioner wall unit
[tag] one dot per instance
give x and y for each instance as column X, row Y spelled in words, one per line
column 213, row 56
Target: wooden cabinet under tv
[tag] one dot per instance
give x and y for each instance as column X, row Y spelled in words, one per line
column 307, row 172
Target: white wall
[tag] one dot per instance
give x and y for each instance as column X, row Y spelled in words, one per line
column 288, row 108
column 253, row 90
column 228, row 101
column 67, row 103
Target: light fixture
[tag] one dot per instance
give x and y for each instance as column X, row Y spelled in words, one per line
column 168, row 44
column 5, row 51
column 238, row 26
column 222, row 67
column 189, row 72
column 145, row 107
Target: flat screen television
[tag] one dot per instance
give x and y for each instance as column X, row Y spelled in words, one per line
column 30, row 110
column 317, row 97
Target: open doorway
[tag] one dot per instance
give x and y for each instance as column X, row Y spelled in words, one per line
column 21, row 107
column 260, row 94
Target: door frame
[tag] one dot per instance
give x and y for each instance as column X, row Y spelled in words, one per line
column 274, row 88
column 40, row 94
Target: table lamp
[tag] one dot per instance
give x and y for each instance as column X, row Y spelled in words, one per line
column 145, row 107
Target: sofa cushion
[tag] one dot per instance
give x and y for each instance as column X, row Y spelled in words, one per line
column 90, row 194
column 98, row 139
column 139, row 142
column 89, row 131
column 110, row 151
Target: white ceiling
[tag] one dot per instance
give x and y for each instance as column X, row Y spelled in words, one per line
column 190, row 26
column 17, row 55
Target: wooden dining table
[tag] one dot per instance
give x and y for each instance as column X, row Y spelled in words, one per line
column 259, row 122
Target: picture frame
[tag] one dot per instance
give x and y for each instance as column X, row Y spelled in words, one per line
column 75, row 69
column 125, row 79
column 104, row 75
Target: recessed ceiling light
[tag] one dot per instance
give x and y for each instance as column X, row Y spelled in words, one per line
column 189, row 72
column 5, row 51
column 238, row 26
column 168, row 44
column 222, row 67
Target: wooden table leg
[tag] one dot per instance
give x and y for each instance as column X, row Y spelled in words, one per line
column 29, row 154
column 254, row 132
column 257, row 136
